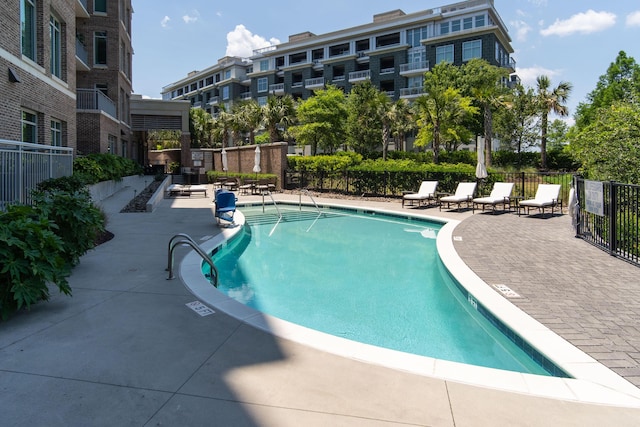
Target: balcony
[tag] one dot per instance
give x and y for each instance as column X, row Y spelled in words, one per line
column 414, row 68
column 93, row 99
column 317, row 83
column 358, row 76
column 82, row 57
column 411, row 92
column 277, row 89
column 81, row 9
column 245, row 96
column 339, row 78
column 214, row 100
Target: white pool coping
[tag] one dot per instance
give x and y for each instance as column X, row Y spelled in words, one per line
column 592, row 382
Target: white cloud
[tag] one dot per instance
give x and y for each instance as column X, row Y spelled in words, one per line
column 165, row 22
column 522, row 29
column 242, row 42
column 529, row 75
column 633, row 19
column 190, row 19
column 539, row 3
column 583, row 23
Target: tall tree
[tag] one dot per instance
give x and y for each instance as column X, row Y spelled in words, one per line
column 550, row 100
column 251, row 114
column 485, row 83
column 279, row 112
column 200, row 127
column 364, row 121
column 402, row 122
column 442, row 108
column 321, row 120
column 516, row 123
column 621, row 82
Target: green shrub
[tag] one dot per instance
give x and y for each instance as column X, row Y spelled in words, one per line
column 31, row 257
column 70, row 184
column 214, row 176
column 98, row 167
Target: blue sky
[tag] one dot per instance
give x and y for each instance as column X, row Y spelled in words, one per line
column 567, row 40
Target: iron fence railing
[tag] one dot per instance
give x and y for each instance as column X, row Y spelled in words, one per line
column 608, row 217
column 392, row 184
column 23, row 166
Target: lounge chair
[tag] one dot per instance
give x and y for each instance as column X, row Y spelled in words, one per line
column 500, row 195
column 427, row 191
column 225, row 206
column 546, row 197
column 464, row 194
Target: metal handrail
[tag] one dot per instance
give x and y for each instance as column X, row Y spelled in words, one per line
column 308, row 193
column 185, row 239
column 277, row 209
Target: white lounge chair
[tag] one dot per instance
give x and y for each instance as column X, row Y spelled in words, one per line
column 546, row 197
column 427, row 191
column 464, row 194
column 186, row 190
column 500, row 195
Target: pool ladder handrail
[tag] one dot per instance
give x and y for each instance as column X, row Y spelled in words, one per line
column 185, row 239
column 308, row 193
column 268, row 193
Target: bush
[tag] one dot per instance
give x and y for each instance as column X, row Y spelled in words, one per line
column 98, row 167
column 31, row 255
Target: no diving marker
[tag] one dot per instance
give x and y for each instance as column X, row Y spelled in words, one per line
column 200, row 308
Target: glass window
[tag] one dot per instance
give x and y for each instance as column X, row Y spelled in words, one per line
column 100, row 6
column 29, row 127
column 444, row 28
column 413, row 82
column 113, row 141
column 262, row 84
column 415, row 35
column 472, row 49
column 455, row 25
column 227, row 74
column 262, row 101
column 444, row 53
column 56, row 133
column 467, row 23
column 225, row 93
column 480, row 21
column 100, row 48
column 56, row 47
column 28, row 28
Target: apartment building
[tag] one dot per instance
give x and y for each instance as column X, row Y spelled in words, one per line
column 66, row 73
column 38, row 71
column 393, row 52
column 104, row 84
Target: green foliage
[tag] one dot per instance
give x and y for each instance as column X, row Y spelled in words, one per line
column 31, row 256
column 98, row 167
column 364, row 121
column 507, row 159
column 78, row 221
column 263, row 138
column 70, row 184
column 328, row 163
column 213, row 176
column 200, row 128
column 163, row 139
column 609, row 147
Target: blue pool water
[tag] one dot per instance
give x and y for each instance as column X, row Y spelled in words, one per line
column 371, row 278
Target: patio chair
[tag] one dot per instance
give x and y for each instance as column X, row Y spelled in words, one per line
column 225, row 206
column 546, row 197
column 500, row 195
column 427, row 191
column 464, row 194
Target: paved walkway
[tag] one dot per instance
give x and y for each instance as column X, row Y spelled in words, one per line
column 125, row 350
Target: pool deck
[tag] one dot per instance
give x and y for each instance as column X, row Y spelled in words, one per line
column 126, row 350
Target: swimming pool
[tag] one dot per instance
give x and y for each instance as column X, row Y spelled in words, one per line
column 386, row 287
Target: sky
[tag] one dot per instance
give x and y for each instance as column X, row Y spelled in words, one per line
column 567, row 40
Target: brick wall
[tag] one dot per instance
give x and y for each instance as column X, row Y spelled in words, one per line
column 49, row 97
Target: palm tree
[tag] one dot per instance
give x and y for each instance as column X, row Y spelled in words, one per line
column 279, row 112
column 401, row 122
column 550, row 101
column 252, row 116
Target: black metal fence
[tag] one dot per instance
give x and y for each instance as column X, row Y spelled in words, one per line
column 608, row 217
column 392, row 184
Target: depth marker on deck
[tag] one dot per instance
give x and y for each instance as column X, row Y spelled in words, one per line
column 506, row 291
column 200, row 308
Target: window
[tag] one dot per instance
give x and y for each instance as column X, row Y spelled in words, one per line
column 100, row 6
column 28, row 28
column 227, row 74
column 225, row 93
column 102, row 87
column 415, row 35
column 413, row 82
column 480, row 21
column 209, row 81
column 56, row 47
column 418, row 55
column 455, row 25
column 262, row 101
column 472, row 49
column 264, row 65
column 467, row 23
column 113, row 141
column 56, row 133
column 444, row 28
column 100, row 48
column 262, row 84
column 444, row 53
column 29, row 127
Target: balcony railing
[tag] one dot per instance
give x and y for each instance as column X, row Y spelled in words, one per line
column 245, row 96
column 414, row 67
column 339, row 78
column 359, row 75
column 214, row 100
column 277, row 88
column 389, row 70
column 411, row 91
column 82, row 54
column 315, row 82
column 93, row 99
